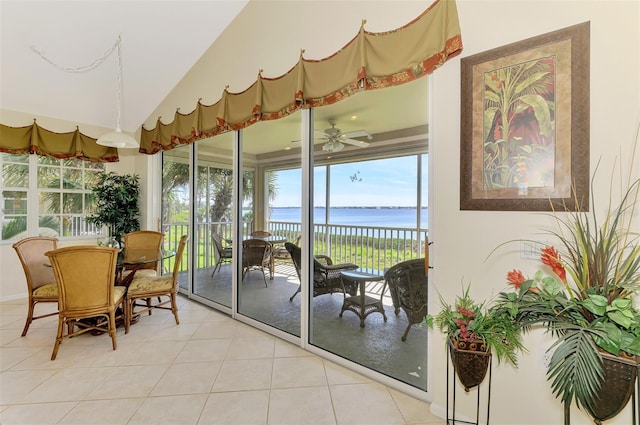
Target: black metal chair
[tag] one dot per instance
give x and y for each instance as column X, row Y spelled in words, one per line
column 407, row 283
column 326, row 275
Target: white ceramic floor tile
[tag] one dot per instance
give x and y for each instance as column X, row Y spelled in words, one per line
column 102, row 412
column 364, row 404
column 240, row 408
column 15, row 385
column 68, row 385
column 128, row 381
column 154, row 352
column 292, row 372
column 337, row 375
column 188, row 378
column 299, row 406
column 35, row 414
column 287, row 349
column 204, row 350
column 217, row 329
column 239, row 375
column 210, row 369
column 14, row 356
column 170, row 333
column 413, row 410
column 181, row 409
column 255, row 347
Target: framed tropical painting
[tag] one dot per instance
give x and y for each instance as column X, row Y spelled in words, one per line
column 525, row 124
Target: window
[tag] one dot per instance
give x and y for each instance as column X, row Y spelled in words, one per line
column 46, row 196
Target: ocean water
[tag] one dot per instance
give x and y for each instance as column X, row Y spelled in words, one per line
column 375, row 217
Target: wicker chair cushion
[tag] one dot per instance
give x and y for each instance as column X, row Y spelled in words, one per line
column 46, row 290
column 141, row 272
column 144, row 284
column 118, row 293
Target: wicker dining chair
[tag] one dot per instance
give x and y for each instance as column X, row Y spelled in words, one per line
column 326, row 275
column 140, row 241
column 149, row 287
column 41, row 283
column 256, row 255
column 407, row 283
column 260, row 233
column 225, row 253
column 84, row 276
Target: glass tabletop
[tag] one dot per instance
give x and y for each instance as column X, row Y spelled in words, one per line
column 130, row 257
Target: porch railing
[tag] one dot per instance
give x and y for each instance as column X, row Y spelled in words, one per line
column 368, row 246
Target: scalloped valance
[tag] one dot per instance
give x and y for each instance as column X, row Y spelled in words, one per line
column 369, row 61
column 35, row 139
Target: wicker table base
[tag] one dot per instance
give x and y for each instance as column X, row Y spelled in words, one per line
column 362, row 304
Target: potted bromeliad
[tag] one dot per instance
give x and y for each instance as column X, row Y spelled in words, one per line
column 474, row 332
column 584, row 296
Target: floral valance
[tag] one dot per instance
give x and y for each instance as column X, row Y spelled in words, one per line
column 369, row 61
column 38, row 140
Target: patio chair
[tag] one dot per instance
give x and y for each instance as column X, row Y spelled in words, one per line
column 407, row 283
column 41, row 283
column 281, row 253
column 225, row 254
column 256, row 254
column 149, row 287
column 84, row 276
column 326, row 275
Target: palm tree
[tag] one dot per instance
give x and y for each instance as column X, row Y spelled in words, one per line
column 518, row 121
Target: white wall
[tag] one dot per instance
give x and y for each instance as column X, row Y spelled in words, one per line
column 463, row 239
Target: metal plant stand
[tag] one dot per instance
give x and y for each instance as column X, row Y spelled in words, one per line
column 452, row 378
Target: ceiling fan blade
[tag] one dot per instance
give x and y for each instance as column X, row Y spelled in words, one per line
column 356, row 133
column 353, row 142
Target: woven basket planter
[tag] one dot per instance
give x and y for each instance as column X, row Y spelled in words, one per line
column 471, row 361
column 617, row 386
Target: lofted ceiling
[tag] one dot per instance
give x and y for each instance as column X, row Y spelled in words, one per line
column 161, row 40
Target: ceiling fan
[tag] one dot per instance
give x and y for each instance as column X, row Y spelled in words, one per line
column 336, row 139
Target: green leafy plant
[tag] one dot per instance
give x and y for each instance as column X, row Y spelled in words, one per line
column 117, row 203
column 583, row 296
column 469, row 321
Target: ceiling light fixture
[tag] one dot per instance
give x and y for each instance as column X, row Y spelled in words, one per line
column 332, row 146
column 114, row 139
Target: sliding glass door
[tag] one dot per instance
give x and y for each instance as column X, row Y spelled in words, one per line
column 272, row 190
column 367, row 218
column 213, row 206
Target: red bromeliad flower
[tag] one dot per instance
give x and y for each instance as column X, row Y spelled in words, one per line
column 551, row 258
column 515, row 277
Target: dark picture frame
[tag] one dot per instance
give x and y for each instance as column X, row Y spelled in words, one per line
column 537, row 159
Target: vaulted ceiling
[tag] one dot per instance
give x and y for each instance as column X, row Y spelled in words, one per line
column 161, row 40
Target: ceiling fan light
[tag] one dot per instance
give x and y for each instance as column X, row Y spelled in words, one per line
column 332, row 146
column 117, row 139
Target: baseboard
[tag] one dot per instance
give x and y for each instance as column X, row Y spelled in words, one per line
column 14, row 297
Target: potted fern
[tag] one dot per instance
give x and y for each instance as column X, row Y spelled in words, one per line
column 117, row 205
column 474, row 331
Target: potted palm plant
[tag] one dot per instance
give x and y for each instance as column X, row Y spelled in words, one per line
column 474, row 331
column 116, row 205
column 583, row 295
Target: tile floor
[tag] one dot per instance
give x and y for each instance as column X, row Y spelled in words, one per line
column 208, row 370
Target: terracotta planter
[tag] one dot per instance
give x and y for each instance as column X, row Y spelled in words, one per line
column 471, row 361
column 617, row 386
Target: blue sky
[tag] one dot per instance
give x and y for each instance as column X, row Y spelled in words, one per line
column 384, row 182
